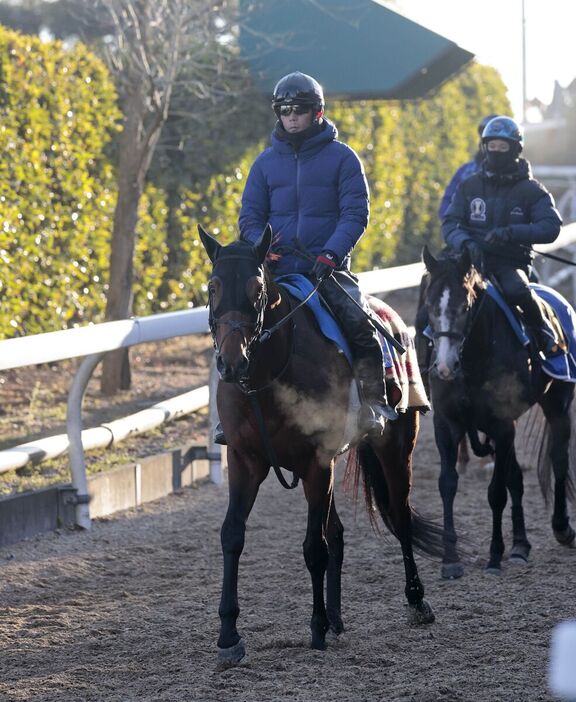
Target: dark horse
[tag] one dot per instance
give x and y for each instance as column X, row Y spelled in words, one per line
column 482, row 379
column 282, row 401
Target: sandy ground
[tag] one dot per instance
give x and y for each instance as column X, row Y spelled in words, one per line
column 128, row 611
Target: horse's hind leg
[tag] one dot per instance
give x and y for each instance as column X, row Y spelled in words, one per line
column 335, row 539
column 391, row 478
column 244, row 479
column 318, row 487
column 556, row 406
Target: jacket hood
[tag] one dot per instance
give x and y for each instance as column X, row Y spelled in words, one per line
column 315, row 142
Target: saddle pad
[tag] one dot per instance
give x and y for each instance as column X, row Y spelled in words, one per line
column 299, row 286
column 404, row 372
column 562, row 365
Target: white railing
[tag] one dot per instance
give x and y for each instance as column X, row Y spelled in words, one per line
column 94, row 341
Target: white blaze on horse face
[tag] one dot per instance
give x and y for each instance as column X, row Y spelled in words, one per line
column 447, row 349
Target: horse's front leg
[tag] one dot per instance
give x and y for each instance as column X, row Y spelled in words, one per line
column 502, row 432
column 448, row 436
column 318, row 490
column 520, row 545
column 244, row 478
column 556, row 406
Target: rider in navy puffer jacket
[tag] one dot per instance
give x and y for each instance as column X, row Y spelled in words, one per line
column 315, row 199
column 312, row 190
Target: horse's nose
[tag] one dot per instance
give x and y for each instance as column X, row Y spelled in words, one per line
column 232, row 373
column 445, row 371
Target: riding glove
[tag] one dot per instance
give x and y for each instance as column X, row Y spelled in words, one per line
column 499, row 235
column 475, row 253
column 326, row 263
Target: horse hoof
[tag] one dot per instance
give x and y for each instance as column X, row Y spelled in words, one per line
column 451, row 571
column 519, row 554
column 493, row 570
column 336, row 628
column 566, row 537
column 233, row 654
column 420, row 613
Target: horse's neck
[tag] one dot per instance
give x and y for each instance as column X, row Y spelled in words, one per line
column 490, row 334
column 273, row 356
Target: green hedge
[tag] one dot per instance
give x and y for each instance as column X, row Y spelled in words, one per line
column 57, row 113
column 58, row 117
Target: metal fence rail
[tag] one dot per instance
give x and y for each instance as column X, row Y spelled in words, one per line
column 93, row 341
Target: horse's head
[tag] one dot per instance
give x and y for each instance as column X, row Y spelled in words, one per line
column 450, row 294
column 237, row 301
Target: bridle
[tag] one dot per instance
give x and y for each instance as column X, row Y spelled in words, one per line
column 236, row 325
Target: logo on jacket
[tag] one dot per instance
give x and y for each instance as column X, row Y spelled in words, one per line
column 517, row 211
column 478, row 210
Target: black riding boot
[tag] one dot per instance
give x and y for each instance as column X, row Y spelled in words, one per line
column 539, row 325
column 375, row 409
column 423, row 347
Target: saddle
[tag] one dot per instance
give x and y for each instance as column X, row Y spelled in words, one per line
column 403, row 381
column 562, row 319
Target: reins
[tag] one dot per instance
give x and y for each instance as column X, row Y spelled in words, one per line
column 260, row 336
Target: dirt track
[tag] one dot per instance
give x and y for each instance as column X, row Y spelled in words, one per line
column 129, row 610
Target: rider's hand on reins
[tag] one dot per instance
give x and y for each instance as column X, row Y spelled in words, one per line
column 326, row 263
column 499, row 235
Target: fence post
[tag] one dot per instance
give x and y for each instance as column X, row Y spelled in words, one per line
column 74, row 427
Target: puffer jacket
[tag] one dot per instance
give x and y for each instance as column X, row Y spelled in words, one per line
column 515, row 200
column 315, row 199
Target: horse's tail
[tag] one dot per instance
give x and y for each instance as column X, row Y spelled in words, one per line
column 545, row 468
column 426, row 537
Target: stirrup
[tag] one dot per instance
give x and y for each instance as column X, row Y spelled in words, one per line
column 373, row 418
column 218, row 435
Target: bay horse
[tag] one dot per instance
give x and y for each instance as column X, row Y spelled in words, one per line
column 482, row 379
column 282, row 400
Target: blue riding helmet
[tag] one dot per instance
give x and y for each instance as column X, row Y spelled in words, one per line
column 502, row 127
column 298, row 89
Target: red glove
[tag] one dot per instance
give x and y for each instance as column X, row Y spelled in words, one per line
column 325, row 265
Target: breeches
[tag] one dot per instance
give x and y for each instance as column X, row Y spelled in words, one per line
column 513, row 283
column 355, row 324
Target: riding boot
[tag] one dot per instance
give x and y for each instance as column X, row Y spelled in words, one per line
column 218, row 435
column 423, row 347
column 375, row 409
column 539, row 325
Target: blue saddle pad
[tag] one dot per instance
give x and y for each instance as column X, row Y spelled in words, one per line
column 299, row 286
column 563, row 364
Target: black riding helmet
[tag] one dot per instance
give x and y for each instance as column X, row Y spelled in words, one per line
column 298, row 89
column 483, row 122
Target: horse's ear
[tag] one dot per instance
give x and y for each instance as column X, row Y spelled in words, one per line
column 429, row 260
column 263, row 243
column 210, row 244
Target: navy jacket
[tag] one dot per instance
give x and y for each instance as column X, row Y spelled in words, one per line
column 315, row 199
column 465, row 171
column 486, row 200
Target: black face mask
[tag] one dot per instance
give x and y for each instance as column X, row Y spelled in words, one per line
column 501, row 161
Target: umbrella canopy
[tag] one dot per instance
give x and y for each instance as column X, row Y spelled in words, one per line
column 357, row 49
